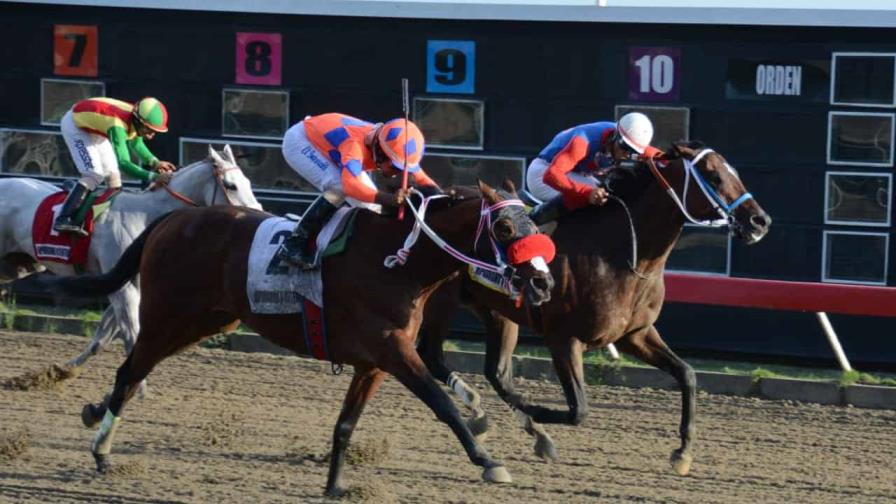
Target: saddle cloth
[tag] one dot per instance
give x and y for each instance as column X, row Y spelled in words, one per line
column 67, row 248
column 274, row 286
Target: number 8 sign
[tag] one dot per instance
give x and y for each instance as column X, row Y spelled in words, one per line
column 258, row 58
column 653, row 73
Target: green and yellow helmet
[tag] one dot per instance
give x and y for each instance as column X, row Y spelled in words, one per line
column 151, row 113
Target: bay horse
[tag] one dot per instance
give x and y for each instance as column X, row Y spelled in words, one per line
column 609, row 269
column 193, row 266
column 216, row 180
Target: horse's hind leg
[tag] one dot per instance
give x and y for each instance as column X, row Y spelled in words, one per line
column 650, row 348
column 159, row 338
column 412, row 373
column 135, row 368
column 364, row 385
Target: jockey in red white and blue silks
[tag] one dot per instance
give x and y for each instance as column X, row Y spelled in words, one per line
column 564, row 173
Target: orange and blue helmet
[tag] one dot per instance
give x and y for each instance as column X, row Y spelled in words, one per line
column 151, row 113
column 402, row 145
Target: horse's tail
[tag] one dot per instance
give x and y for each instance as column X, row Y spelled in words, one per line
column 102, row 285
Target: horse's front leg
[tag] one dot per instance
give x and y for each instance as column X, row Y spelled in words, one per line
column 364, row 386
column 126, row 303
column 410, row 370
column 103, row 335
column 432, row 335
column 648, row 346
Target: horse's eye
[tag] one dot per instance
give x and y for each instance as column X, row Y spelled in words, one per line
column 230, row 186
column 503, row 229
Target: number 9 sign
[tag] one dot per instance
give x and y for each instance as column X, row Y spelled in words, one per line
column 258, row 58
column 654, row 73
column 450, row 66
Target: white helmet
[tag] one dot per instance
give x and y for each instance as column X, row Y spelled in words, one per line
column 636, row 130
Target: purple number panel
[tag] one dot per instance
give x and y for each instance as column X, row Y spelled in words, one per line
column 258, row 58
column 653, row 73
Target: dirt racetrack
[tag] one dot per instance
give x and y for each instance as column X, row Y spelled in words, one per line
column 231, row 427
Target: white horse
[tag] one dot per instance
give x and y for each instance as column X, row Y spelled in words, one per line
column 216, row 180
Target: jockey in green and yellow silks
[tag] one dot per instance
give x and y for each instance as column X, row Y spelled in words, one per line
column 101, row 133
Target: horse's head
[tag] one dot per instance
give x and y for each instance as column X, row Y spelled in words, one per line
column 525, row 247
column 232, row 187
column 722, row 193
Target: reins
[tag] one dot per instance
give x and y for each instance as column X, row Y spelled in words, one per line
column 219, row 183
column 506, row 271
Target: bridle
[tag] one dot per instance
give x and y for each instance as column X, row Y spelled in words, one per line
column 219, row 183
column 725, row 210
column 506, row 271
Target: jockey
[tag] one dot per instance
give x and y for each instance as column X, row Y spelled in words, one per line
column 563, row 174
column 100, row 134
column 334, row 152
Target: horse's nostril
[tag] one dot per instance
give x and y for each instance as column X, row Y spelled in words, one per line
column 541, row 284
column 760, row 220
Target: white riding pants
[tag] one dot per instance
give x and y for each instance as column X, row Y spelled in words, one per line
column 316, row 167
column 538, row 188
column 93, row 154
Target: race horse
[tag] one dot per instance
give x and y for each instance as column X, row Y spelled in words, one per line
column 609, row 269
column 193, row 266
column 216, row 180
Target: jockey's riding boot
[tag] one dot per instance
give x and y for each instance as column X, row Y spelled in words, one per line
column 295, row 248
column 65, row 222
column 548, row 211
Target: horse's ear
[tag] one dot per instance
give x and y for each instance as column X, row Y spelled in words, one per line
column 681, row 149
column 509, row 186
column 229, row 153
column 488, row 193
column 214, row 155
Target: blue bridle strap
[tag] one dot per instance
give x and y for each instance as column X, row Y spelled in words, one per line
column 708, row 189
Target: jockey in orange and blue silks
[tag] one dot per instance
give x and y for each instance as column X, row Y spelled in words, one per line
column 563, row 175
column 335, row 152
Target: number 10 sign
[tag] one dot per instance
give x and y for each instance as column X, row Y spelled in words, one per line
column 653, row 73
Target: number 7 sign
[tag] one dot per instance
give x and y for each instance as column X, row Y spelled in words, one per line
column 75, row 50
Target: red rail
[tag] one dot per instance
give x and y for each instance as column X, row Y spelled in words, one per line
column 780, row 295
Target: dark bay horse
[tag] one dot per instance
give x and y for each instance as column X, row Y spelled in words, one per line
column 603, row 296
column 193, row 266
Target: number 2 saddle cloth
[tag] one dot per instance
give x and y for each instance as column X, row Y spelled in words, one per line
column 275, row 286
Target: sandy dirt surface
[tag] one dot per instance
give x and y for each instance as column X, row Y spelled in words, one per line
column 231, row 427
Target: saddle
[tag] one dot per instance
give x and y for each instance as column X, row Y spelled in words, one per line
column 67, row 248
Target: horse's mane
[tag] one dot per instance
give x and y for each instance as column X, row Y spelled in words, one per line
column 464, row 193
column 630, row 179
column 192, row 165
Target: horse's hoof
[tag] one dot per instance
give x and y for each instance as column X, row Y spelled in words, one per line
column 479, row 427
column 681, row 462
column 335, row 492
column 102, row 463
column 497, row 474
column 544, row 448
column 92, row 415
